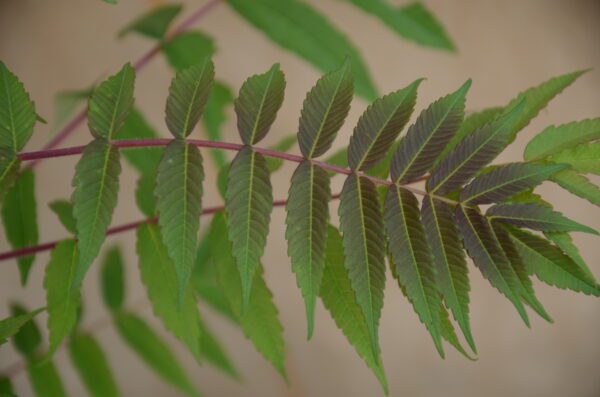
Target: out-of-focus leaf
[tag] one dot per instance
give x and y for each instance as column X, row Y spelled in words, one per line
column 45, row 379
column 214, row 116
column 11, row 325
column 90, row 362
column 66, row 102
column 188, row 49
column 155, row 23
column 28, row 338
column 144, row 194
column 213, row 352
column 284, row 144
column 144, row 160
column 112, row 281
column 64, row 210
column 9, row 170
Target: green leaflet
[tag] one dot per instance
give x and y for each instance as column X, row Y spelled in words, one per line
column 67, row 102
column 17, row 112
column 11, row 325
column 90, row 362
column 64, row 210
column 554, row 139
column 549, row 264
column 449, row 334
column 474, row 152
column 449, row 261
column 413, row 22
column 144, row 160
column 507, row 180
column 213, row 353
column 62, row 305
column 471, row 123
column 361, row 225
column 249, row 201
column 564, row 241
column 144, row 194
column 188, row 49
column 153, row 351
column 259, row 321
column 379, row 126
column 584, row 158
column 188, row 94
column 112, row 281
column 19, row 216
column 257, row 104
column 6, row 388
column 45, row 379
column 298, row 27
column 215, row 116
column 179, row 202
column 155, row 23
column 306, row 231
column 110, row 1
column 579, row 185
column 159, row 276
column 483, row 247
column 324, row 110
column 28, row 338
column 284, row 145
column 412, row 259
column 339, row 299
column 9, row 170
column 96, row 184
column 110, row 103
column 427, row 137
column 535, row 217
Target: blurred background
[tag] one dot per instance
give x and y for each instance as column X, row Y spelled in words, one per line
column 504, row 46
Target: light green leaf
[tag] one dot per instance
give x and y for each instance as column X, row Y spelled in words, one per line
column 549, row 264
column 17, row 112
column 179, row 202
column 361, row 224
column 144, row 194
column 257, row 104
column 306, row 231
column 155, row 23
column 564, row 241
column 426, row 138
column 153, row 351
column 110, row 103
column 188, row 94
column 64, row 210
column 159, row 276
column 11, row 325
column 579, row 185
column 112, row 281
column 62, row 305
column 299, row 28
column 485, row 250
column 583, row 158
column 19, row 217
column 554, row 139
column 449, row 334
column 214, row 117
column 188, row 49
column 9, row 170
column 412, row 259
column 45, row 379
column 379, row 126
column 28, row 339
column 284, row 145
column 213, row 353
column 96, row 183
column 324, row 110
column 90, row 362
column 413, row 22
column 338, row 298
column 449, row 261
column 249, row 202
column 260, row 321
column 144, row 160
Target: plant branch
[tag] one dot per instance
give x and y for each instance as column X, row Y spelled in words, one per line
column 138, row 65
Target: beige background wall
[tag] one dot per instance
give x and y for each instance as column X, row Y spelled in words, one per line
column 505, row 46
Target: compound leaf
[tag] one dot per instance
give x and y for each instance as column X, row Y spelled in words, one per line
column 90, row 362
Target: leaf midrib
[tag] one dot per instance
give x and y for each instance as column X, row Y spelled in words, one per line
column 191, row 103
column 259, row 114
column 117, row 105
column 100, row 194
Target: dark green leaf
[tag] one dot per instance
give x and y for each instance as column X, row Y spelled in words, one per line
column 554, row 139
column 62, row 305
column 144, row 160
column 28, row 339
column 9, row 170
column 535, row 217
column 110, row 103
column 188, row 49
column 412, row 259
column 155, row 23
column 6, row 388
column 90, row 362
column 324, row 110
column 45, row 379
column 188, row 94
column 17, row 112
column 298, row 27
column 307, row 218
column 214, row 116
column 507, row 180
column 64, row 210
column 19, row 216
column 379, row 126
column 179, row 202
column 361, row 223
column 425, row 139
column 160, row 278
column 257, row 104
column 94, row 199
column 11, row 325
column 112, row 281
column 486, row 252
column 579, row 185
column 248, row 202
column 583, row 158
